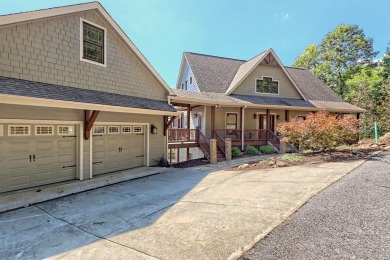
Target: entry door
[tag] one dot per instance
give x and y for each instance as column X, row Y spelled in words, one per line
column 263, row 125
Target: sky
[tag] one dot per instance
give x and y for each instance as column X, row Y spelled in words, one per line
column 163, row 29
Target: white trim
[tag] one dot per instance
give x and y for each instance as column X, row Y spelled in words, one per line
column 142, row 129
column 69, row 126
column 147, row 144
column 204, row 120
column 237, row 113
column 81, row 151
column 131, row 129
column 12, row 125
column 99, row 126
column 41, row 102
column 243, row 128
column 82, row 43
column 48, row 134
column 263, row 93
column 72, row 9
column 1, row 130
column 34, row 121
column 90, row 155
column 114, row 133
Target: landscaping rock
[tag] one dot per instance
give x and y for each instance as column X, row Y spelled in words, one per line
column 354, row 152
column 271, row 162
column 243, row 166
column 281, row 164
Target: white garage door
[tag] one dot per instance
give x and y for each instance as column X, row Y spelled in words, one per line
column 34, row 155
column 117, row 148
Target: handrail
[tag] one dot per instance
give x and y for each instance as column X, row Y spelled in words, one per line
column 221, row 144
column 182, row 135
column 204, row 144
column 273, row 139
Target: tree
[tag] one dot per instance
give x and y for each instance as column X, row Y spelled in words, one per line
column 385, row 69
column 338, row 56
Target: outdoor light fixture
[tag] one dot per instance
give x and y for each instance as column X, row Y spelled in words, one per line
column 153, row 129
column 254, row 116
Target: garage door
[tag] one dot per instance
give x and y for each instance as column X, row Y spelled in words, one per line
column 34, row 155
column 117, row 148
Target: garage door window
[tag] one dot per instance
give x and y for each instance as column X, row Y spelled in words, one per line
column 19, row 130
column 44, row 130
column 113, row 130
column 99, row 130
column 138, row 129
column 65, row 130
column 126, row 130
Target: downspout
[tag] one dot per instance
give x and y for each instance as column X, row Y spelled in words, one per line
column 242, row 127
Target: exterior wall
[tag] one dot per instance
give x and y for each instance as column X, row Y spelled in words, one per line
column 157, row 142
column 286, row 88
column 186, row 75
column 49, row 51
column 220, row 116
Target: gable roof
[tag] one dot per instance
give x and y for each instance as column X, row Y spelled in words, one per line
column 12, row 19
column 212, row 73
column 45, row 91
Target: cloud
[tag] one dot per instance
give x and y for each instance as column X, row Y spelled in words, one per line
column 282, row 17
column 285, row 17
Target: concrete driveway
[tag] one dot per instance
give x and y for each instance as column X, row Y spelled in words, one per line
column 181, row 214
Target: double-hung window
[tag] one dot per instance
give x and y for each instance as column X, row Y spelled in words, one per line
column 93, row 43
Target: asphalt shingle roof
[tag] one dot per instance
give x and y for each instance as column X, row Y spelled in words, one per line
column 18, row 87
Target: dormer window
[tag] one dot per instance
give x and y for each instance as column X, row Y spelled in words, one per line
column 93, row 43
column 267, row 86
column 190, row 80
column 186, row 84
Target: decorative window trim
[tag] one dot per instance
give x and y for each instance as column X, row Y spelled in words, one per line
column 37, row 133
column 99, row 127
column 265, row 93
column 112, row 128
column 24, row 134
column 70, row 132
column 1, row 130
column 136, row 131
column 126, row 132
column 82, row 43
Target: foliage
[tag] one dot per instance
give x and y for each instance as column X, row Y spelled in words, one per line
column 320, row 131
column 338, row 56
column 292, row 157
column 267, row 149
column 162, row 162
column 236, row 152
column 385, row 65
column 250, row 150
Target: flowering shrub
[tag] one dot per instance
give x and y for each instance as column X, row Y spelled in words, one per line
column 320, row 131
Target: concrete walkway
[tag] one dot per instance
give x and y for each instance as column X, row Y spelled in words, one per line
column 180, row 214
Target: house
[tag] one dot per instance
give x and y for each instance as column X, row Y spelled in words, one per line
column 77, row 98
column 243, row 100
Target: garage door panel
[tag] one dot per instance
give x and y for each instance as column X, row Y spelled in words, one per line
column 18, row 182
column 18, row 146
column 66, row 144
column 99, row 155
column 16, row 164
column 44, row 146
column 67, row 159
column 44, row 177
column 66, row 173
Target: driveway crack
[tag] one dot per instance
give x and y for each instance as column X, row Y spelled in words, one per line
column 92, row 234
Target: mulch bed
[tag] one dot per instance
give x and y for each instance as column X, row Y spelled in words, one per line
column 356, row 152
column 190, row 163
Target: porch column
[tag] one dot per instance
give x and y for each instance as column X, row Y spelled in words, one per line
column 242, row 127
column 287, row 115
column 188, row 127
column 212, row 121
column 204, row 120
column 268, row 121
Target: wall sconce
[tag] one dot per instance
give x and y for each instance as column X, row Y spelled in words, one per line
column 255, row 116
column 277, row 117
column 153, row 129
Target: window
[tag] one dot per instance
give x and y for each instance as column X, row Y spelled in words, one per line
column 44, row 130
column 190, row 80
column 303, row 118
column 113, row 130
column 93, row 43
column 267, row 85
column 99, row 130
column 138, row 129
column 182, row 85
column 186, row 84
column 231, row 121
column 126, row 129
column 18, row 130
column 65, row 130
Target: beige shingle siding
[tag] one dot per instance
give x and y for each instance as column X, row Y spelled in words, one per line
column 286, row 88
column 49, row 51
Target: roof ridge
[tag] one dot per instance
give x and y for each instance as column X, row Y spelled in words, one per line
column 213, row 56
column 290, row 67
column 50, row 8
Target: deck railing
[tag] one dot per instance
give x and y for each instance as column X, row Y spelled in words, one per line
column 220, row 142
column 182, row 135
column 204, row 144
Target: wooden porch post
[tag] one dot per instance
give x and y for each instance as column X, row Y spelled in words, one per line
column 188, row 127
column 242, row 127
column 212, row 121
column 268, row 121
column 287, row 115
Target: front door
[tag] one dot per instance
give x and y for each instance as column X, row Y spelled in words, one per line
column 263, row 124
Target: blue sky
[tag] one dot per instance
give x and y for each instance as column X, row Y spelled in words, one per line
column 163, row 29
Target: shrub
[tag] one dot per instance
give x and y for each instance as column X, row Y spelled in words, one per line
column 320, row 131
column 250, row 150
column 292, row 157
column 267, row 149
column 162, row 162
column 236, row 152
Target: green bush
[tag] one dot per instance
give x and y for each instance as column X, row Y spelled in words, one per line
column 250, row 150
column 267, row 149
column 236, row 152
column 292, row 157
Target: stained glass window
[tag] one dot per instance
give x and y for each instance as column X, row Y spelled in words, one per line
column 266, row 85
column 93, row 43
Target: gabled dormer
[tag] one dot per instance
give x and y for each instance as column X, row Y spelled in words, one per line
column 186, row 79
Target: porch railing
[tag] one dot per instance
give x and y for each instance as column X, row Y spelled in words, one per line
column 182, row 135
column 220, row 142
column 204, row 144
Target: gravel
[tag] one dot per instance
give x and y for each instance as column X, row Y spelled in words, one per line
column 348, row 220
